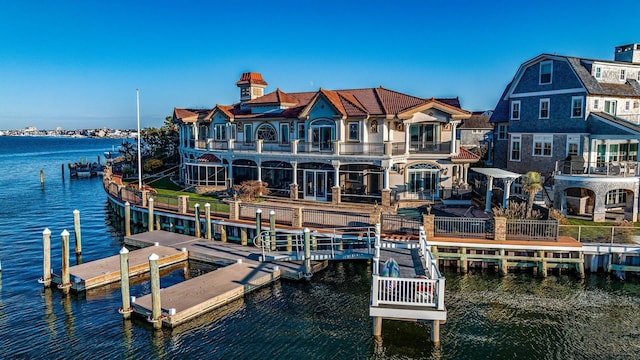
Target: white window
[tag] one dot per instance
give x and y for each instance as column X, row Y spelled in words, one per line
column 220, row 132
column 610, row 107
column 502, row 132
column 515, row 110
column 576, row 106
column 596, row 103
column 248, row 133
column 542, row 145
column 573, row 145
column 284, row 133
column 301, row 131
column 623, row 74
column 514, row 154
column 544, row 109
column 354, row 131
column 638, row 75
column 617, row 197
column 546, row 68
column 598, row 72
column 627, row 105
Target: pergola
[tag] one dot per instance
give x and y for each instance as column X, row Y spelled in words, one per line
column 507, row 177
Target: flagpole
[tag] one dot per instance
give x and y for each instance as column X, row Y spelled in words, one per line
column 139, row 135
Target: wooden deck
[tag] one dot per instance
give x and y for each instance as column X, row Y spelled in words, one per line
column 562, row 242
column 106, row 271
column 188, row 299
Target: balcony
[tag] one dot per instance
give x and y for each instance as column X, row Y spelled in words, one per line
column 599, row 168
column 419, row 147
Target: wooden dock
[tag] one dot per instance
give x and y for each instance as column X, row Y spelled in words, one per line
column 188, row 299
column 106, row 271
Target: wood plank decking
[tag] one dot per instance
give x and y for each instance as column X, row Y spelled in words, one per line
column 106, row 271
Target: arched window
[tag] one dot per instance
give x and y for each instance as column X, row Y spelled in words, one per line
column 267, row 133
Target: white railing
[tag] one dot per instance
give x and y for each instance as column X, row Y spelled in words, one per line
column 427, row 291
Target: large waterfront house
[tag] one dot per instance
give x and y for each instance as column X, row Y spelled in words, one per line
column 576, row 121
column 358, row 145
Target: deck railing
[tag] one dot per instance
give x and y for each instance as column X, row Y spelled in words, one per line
column 361, row 148
column 283, row 214
column 606, row 168
column 602, row 234
column 392, row 223
column 462, row 227
column 323, row 218
column 523, row 229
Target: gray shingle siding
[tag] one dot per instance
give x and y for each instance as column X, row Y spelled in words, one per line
column 562, row 78
column 541, row 164
column 560, row 119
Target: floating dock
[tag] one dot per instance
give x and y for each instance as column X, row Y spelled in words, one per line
column 188, row 299
column 106, row 271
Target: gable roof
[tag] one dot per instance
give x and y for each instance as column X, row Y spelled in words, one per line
column 615, row 121
column 476, row 122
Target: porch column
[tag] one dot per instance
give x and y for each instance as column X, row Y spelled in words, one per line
column 465, row 171
column 336, row 172
column 407, row 138
column 454, row 149
column 487, row 207
column 195, row 134
column 294, row 164
column 385, row 178
column 599, row 209
column 507, row 191
column 259, row 166
column 230, row 173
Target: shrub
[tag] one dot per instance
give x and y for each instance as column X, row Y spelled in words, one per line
column 516, row 210
column 251, row 189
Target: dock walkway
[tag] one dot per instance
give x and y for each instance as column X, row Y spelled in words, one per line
column 188, row 299
column 105, row 271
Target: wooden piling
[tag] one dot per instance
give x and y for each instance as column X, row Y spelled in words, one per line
column 65, row 283
column 435, row 332
column 46, row 257
column 127, row 219
column 503, row 268
column 542, row 264
column 207, row 215
column 150, row 225
column 258, row 222
column 580, row 265
column 377, row 326
column 243, row 236
column 223, row 233
column 42, row 178
column 77, row 233
column 124, row 283
column 272, row 229
column 62, row 168
column 156, row 310
column 463, row 260
column 307, row 253
column 196, row 223
column 289, row 243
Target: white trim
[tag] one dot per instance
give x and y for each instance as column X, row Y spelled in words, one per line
column 512, row 140
column 548, row 101
column 576, row 141
column 513, row 103
column 548, row 92
column 542, row 63
column 573, row 98
column 542, row 141
column 598, row 72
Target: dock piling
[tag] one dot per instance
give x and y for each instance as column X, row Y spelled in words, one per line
column 196, row 224
column 150, row 225
column 76, row 228
column 207, row 215
column 62, row 168
column 124, row 283
column 307, row 253
column 46, row 257
column 156, row 310
column 65, row 283
column 127, row 219
column 42, row 178
column 272, row 229
column 258, row 222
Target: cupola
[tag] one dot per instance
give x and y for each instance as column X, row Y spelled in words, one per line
column 251, row 86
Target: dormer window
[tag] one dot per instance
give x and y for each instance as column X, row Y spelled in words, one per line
column 598, row 72
column 623, row 74
column 546, row 68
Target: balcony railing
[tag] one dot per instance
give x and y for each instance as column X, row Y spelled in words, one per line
column 333, row 147
column 614, row 168
column 434, row 147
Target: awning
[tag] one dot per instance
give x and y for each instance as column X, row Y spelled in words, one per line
column 496, row 173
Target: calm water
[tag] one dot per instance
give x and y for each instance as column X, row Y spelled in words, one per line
column 517, row 316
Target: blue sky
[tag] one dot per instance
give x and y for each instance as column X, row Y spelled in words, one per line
column 77, row 64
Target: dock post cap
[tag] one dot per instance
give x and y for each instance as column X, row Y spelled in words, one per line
column 184, row 249
column 127, row 204
column 150, row 198
column 65, row 232
column 258, row 211
column 133, row 299
column 306, row 230
column 196, row 205
column 124, row 250
column 207, row 205
column 46, row 231
column 154, row 257
column 272, row 212
column 276, row 268
column 156, row 244
column 76, row 211
column 172, row 311
column 239, row 261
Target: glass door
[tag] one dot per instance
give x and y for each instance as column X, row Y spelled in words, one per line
column 315, row 187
